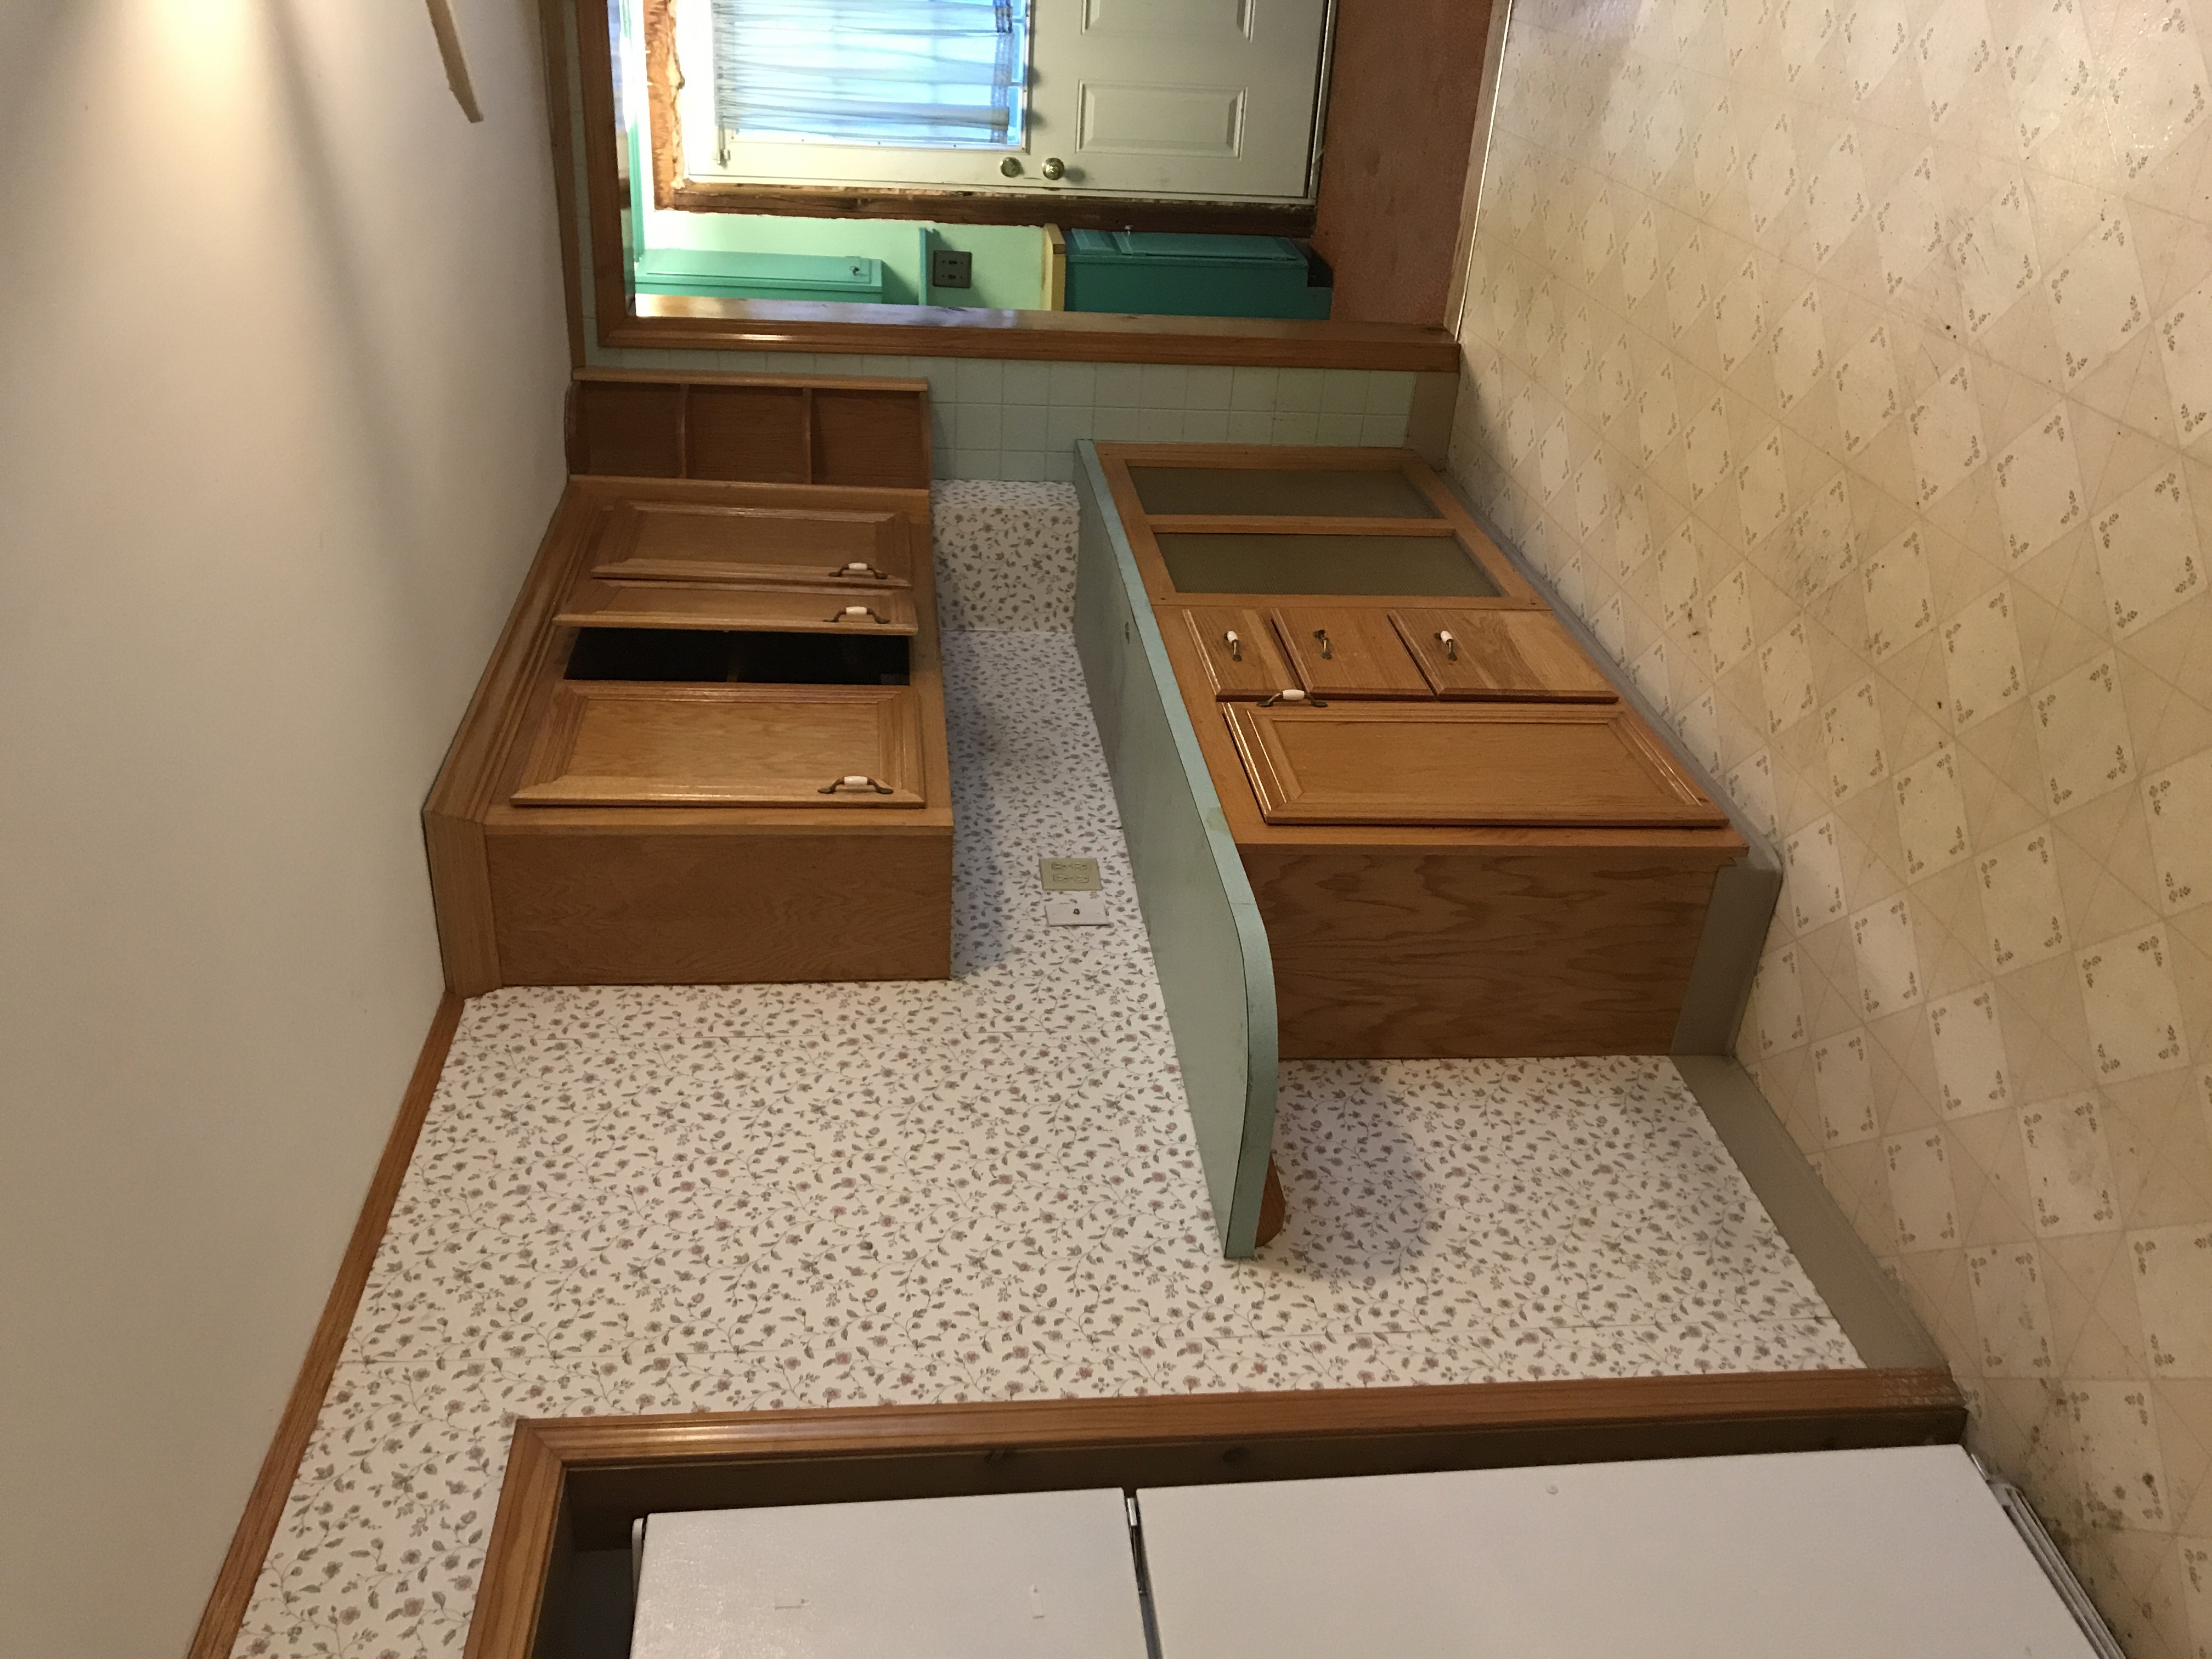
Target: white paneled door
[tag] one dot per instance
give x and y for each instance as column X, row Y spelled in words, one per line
column 1207, row 100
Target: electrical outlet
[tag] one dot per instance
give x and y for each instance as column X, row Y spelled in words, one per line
column 1076, row 910
column 951, row 268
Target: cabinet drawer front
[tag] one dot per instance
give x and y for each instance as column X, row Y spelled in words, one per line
column 688, row 541
column 596, row 603
column 1511, row 654
column 610, row 743
column 1463, row 763
column 1349, row 653
column 1238, row 647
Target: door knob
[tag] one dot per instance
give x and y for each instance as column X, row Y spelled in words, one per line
column 1054, row 167
column 1012, row 166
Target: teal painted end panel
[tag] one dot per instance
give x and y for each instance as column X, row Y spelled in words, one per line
column 1208, row 942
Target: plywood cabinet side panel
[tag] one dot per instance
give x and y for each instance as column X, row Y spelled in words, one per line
column 1495, row 952
column 460, row 900
column 467, row 784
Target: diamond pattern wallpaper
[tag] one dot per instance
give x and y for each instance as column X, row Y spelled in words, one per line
column 1847, row 364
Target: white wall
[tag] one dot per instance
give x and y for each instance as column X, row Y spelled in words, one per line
column 281, row 359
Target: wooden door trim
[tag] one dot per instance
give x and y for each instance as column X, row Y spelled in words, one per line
column 225, row 1613
column 576, row 1483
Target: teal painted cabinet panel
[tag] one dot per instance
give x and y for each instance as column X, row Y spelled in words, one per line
column 1164, row 274
column 1208, row 942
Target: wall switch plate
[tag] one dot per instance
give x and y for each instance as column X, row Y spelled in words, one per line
column 1068, row 875
column 1076, row 910
column 950, row 268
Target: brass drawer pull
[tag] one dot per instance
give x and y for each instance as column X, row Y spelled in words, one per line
column 861, row 568
column 1327, row 648
column 1236, row 646
column 856, row 782
column 853, row 613
column 1449, row 644
column 1292, row 694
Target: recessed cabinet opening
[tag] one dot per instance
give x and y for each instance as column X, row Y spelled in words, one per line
column 1360, row 493
column 1259, row 563
column 699, row 657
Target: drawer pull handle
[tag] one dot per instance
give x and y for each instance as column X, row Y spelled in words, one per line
column 1327, row 648
column 1236, row 646
column 856, row 782
column 861, row 568
column 1292, row 694
column 1449, row 644
column 853, row 613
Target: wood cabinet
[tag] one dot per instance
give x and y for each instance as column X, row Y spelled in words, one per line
column 1461, row 839
column 710, row 745
column 1490, row 764
column 621, row 743
column 1340, row 651
column 1505, row 655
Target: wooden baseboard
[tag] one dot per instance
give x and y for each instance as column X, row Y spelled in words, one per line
column 265, row 1506
column 577, row 1483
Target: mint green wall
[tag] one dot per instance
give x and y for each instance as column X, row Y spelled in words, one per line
column 1009, row 258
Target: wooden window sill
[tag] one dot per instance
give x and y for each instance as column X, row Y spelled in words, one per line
column 686, row 322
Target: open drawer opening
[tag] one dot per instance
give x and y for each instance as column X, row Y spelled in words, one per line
column 693, row 656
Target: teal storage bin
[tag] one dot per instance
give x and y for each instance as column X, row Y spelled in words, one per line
column 1166, row 274
column 761, row 276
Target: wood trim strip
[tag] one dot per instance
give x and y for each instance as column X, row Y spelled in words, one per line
column 553, row 28
column 580, row 1479
column 265, row 1506
column 1064, row 211
column 686, row 322
column 1287, row 524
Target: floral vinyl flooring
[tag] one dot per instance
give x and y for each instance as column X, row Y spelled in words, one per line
column 648, row 1199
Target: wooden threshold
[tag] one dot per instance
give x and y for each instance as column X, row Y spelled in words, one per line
column 575, row 1484
column 265, row 1505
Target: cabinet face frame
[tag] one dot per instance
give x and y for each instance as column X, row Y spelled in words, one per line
column 1452, row 522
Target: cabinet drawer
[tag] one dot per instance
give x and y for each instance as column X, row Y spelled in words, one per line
column 1509, row 654
column 1349, row 653
column 596, row 603
column 618, row 743
column 1238, row 647
column 1463, row 763
column 689, row 541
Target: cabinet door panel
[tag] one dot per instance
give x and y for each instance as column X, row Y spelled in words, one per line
column 700, row 605
column 1510, row 654
column 1463, row 763
column 1238, row 647
column 618, row 743
column 685, row 541
column 1349, row 653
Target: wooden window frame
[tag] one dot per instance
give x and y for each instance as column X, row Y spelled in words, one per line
column 591, row 230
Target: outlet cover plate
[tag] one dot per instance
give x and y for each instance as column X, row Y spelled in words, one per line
column 952, row 268
column 1076, row 910
column 1068, row 875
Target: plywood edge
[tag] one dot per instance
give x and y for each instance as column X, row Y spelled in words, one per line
column 568, row 1475
column 227, row 1602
